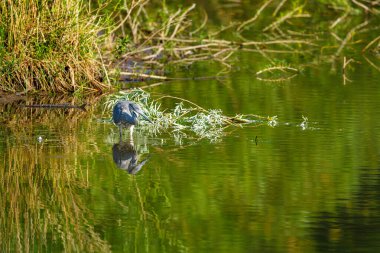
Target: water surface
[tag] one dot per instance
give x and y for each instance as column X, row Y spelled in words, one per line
column 300, row 186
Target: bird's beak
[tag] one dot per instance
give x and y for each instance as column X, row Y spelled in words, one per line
column 146, row 118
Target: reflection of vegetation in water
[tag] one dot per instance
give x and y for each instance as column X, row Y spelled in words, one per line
column 139, row 214
column 41, row 202
column 42, row 180
column 248, row 190
column 52, row 187
column 204, row 123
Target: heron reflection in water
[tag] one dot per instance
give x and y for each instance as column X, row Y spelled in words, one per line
column 126, row 157
column 125, row 114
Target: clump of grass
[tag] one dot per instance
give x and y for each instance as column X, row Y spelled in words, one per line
column 186, row 119
column 48, row 45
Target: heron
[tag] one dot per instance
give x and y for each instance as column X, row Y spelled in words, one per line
column 125, row 114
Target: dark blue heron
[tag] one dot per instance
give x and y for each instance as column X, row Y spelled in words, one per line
column 125, row 114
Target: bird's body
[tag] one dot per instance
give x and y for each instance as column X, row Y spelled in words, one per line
column 125, row 114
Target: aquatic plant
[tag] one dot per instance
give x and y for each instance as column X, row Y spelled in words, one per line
column 186, row 117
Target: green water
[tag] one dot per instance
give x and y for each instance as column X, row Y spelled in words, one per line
column 286, row 188
column 294, row 187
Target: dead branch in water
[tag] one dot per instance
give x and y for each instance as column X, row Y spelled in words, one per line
column 282, row 68
column 371, row 43
column 250, row 21
column 177, row 40
column 349, row 35
column 289, row 15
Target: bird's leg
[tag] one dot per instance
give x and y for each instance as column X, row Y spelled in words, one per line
column 120, row 133
column 131, row 142
column 131, row 132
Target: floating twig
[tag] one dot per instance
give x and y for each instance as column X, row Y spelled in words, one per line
column 282, row 68
column 371, row 43
column 142, row 75
column 277, row 68
column 57, row 106
column 280, row 79
column 372, row 64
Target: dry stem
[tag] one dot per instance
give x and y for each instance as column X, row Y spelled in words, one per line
column 250, row 21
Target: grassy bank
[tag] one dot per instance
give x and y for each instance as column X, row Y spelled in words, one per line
column 48, row 45
column 72, row 45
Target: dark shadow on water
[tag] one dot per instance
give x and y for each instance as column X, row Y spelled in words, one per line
column 44, row 108
column 354, row 226
column 126, row 157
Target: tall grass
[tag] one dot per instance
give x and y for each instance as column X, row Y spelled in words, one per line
column 48, row 45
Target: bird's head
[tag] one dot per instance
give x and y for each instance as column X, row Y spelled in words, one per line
column 136, row 110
